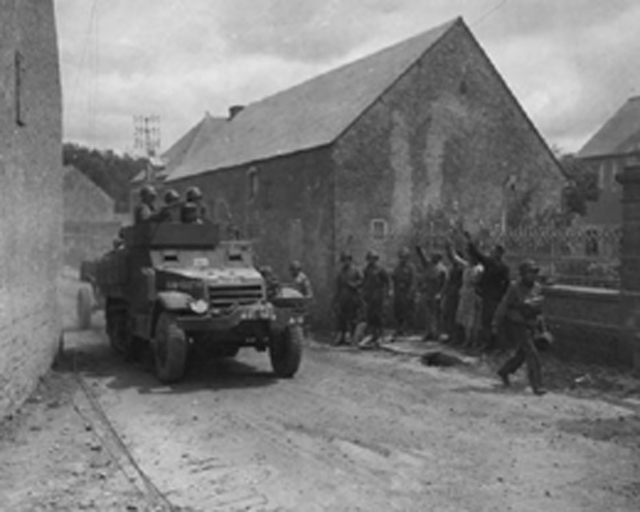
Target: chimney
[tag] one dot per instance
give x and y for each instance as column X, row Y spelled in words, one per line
column 234, row 110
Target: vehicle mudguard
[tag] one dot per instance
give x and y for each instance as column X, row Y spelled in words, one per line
column 174, row 300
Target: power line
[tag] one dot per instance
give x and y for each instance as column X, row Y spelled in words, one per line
column 489, row 13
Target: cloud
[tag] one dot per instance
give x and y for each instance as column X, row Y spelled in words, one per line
column 569, row 63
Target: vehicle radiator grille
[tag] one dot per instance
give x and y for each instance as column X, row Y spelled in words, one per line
column 224, row 296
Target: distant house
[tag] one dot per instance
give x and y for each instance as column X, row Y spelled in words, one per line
column 366, row 155
column 614, row 146
column 84, row 201
column 31, row 196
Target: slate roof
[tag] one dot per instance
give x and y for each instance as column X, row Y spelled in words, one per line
column 309, row 115
column 620, row 134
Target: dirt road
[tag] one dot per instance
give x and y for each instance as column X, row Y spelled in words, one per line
column 363, row 431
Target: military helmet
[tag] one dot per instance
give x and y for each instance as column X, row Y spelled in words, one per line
column 372, row 256
column 403, row 253
column 148, row 192
column 295, row 265
column 345, row 256
column 193, row 194
column 171, row 196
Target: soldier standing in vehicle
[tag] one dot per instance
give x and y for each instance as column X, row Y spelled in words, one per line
column 520, row 310
column 300, row 280
column 404, row 289
column 194, row 195
column 375, row 288
column 169, row 210
column 146, row 209
column 347, row 299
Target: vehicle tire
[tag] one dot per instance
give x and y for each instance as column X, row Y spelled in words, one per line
column 170, row 348
column 84, row 308
column 285, row 351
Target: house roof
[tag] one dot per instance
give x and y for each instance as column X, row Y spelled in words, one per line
column 620, row 134
column 201, row 133
column 72, row 175
column 309, row 115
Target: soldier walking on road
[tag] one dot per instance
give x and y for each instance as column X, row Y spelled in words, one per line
column 375, row 288
column 347, row 299
column 404, row 289
column 521, row 310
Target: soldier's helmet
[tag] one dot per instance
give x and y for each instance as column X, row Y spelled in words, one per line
column 372, row 256
column 193, row 194
column 345, row 256
column 148, row 192
column 403, row 253
column 295, row 266
column 171, row 196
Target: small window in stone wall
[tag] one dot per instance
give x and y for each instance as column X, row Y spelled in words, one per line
column 379, row 229
column 19, row 79
column 254, row 183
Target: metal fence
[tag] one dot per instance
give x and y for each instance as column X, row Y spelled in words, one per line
column 580, row 256
column 577, row 256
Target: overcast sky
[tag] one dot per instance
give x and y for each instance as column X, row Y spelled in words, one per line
column 571, row 63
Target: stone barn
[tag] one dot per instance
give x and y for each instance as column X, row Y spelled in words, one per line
column 31, row 189
column 366, row 155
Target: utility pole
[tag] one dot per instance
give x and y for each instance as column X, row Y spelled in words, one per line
column 146, row 133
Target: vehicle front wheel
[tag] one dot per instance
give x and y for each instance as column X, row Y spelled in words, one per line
column 285, row 351
column 171, row 349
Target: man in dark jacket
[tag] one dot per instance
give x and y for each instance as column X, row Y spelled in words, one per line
column 492, row 287
column 404, row 290
column 375, row 288
column 347, row 299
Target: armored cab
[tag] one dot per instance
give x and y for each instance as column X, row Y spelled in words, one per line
column 178, row 289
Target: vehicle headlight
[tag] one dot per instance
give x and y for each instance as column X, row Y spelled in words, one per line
column 199, row 306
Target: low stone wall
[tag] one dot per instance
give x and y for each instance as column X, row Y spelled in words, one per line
column 589, row 324
column 87, row 240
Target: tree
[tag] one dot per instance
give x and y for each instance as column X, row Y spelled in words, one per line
column 582, row 184
column 111, row 172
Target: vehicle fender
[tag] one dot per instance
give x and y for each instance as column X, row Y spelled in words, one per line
column 174, row 300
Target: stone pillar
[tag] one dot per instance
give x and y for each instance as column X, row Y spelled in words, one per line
column 630, row 259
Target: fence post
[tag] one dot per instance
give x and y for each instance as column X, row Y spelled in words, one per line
column 629, row 178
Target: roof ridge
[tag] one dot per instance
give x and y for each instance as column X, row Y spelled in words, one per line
column 314, row 112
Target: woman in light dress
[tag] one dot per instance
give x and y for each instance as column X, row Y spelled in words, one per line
column 469, row 307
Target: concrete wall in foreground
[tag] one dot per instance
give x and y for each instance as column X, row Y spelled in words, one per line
column 30, row 195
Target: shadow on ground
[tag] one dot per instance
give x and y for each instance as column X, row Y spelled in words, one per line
column 89, row 354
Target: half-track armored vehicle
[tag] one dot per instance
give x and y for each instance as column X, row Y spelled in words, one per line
column 179, row 289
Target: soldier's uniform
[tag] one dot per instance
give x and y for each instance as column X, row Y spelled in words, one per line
column 146, row 210
column 375, row 287
column 520, row 309
column 347, row 299
column 300, row 280
column 404, row 287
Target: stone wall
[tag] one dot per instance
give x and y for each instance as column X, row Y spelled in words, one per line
column 447, row 142
column 84, row 241
column 31, row 195
column 588, row 325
